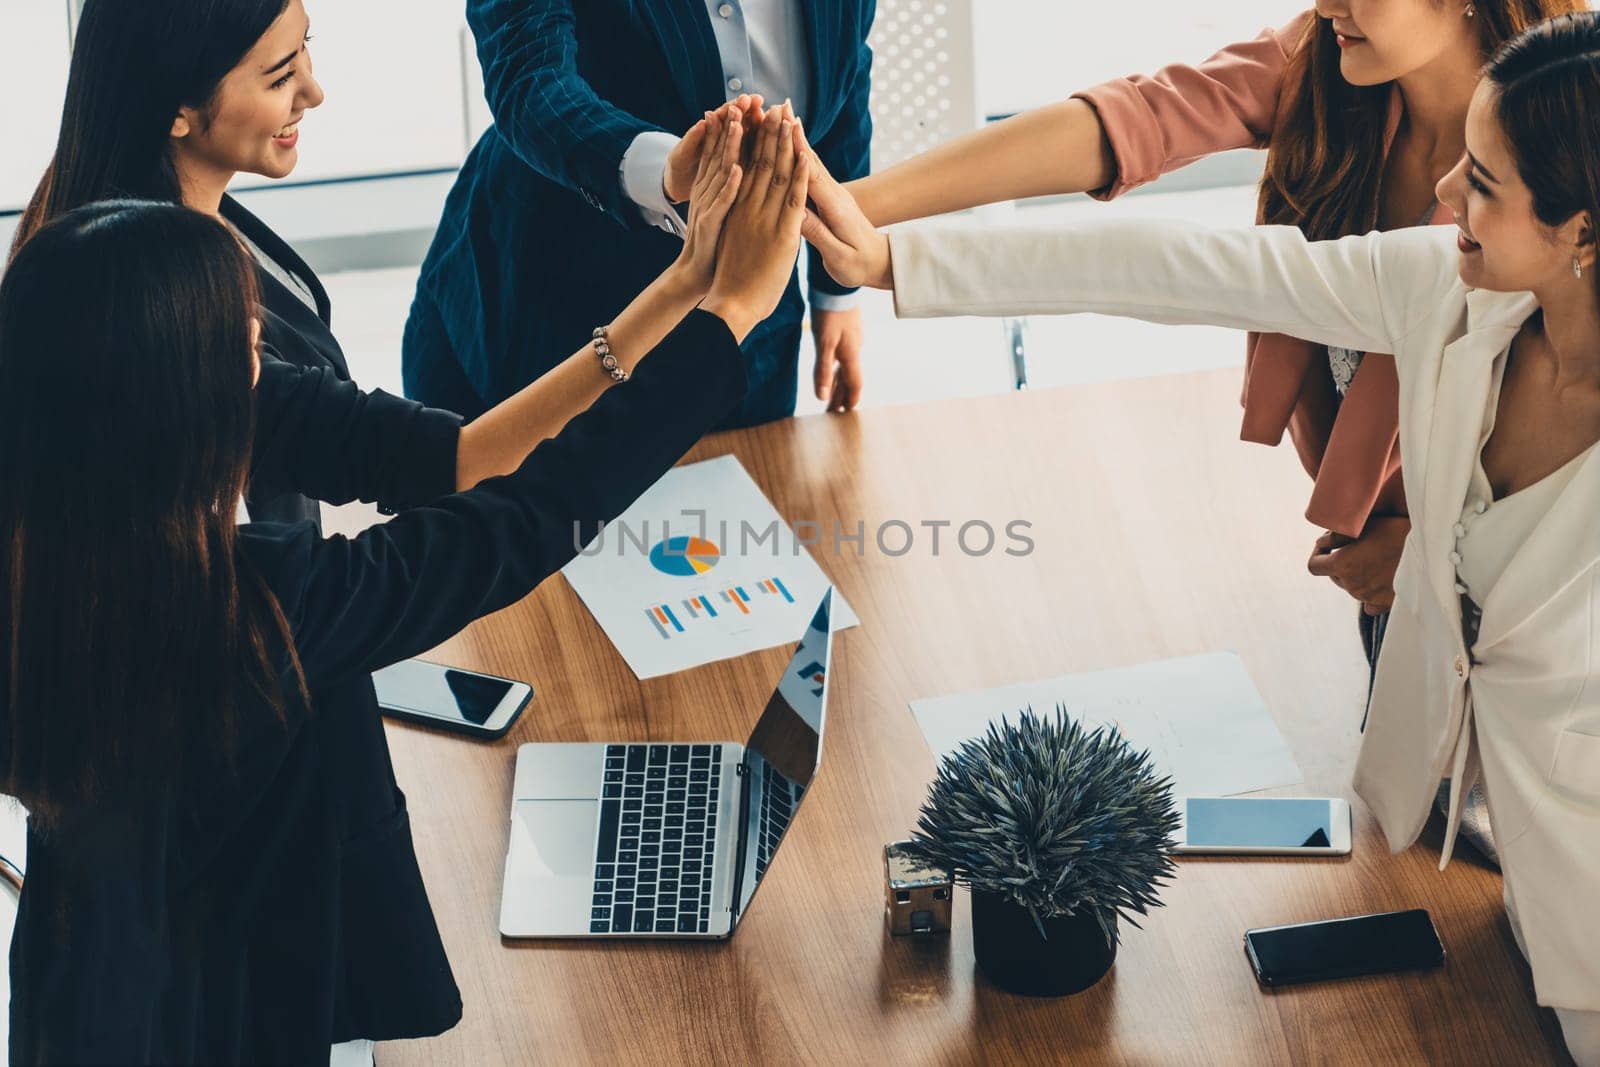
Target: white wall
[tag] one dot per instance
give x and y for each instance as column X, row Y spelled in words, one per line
column 395, row 75
column 396, row 98
column 33, row 76
column 1033, row 51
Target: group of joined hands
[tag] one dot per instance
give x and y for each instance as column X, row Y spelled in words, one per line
column 746, row 171
column 755, row 188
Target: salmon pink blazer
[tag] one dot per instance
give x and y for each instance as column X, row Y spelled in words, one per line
column 1158, row 123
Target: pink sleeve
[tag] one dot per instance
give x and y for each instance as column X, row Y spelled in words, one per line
column 1159, row 123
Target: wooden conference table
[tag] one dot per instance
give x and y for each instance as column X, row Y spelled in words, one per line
column 1157, row 534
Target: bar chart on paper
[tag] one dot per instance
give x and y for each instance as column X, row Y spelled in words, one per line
column 734, row 599
column 671, row 599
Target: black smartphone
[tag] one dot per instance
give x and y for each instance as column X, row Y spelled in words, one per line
column 450, row 698
column 1344, row 948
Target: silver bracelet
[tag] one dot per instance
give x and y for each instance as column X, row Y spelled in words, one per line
column 602, row 348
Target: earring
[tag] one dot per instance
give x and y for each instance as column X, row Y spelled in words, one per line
column 1471, row 10
column 1577, row 268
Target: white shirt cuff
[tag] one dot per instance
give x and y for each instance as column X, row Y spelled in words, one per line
column 821, row 301
column 643, row 166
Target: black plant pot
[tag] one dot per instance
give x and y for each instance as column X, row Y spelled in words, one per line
column 1073, row 955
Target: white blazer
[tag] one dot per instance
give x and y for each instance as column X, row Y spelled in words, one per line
column 1534, row 671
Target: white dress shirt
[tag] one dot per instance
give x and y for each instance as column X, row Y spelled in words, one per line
column 762, row 44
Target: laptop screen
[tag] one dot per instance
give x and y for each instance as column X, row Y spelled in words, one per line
column 782, row 755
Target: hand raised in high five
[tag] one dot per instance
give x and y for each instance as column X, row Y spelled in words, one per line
column 853, row 251
column 716, row 185
column 751, row 107
column 761, row 239
column 683, row 162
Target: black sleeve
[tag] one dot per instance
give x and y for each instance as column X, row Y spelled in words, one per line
column 324, row 437
column 399, row 589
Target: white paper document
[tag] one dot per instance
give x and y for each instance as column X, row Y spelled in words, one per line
column 700, row 569
column 1199, row 717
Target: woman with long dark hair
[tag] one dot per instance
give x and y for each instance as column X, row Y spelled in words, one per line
column 1360, row 106
column 170, row 100
column 1490, row 671
column 141, row 75
column 195, row 890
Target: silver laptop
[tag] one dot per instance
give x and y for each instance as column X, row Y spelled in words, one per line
column 663, row 840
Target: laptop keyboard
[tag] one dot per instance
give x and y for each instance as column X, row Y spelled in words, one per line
column 658, row 829
column 778, row 801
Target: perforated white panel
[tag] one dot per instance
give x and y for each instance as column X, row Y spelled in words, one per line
column 924, row 88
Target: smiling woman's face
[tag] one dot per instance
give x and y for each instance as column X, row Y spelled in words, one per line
column 1383, row 40
column 1504, row 246
column 251, row 124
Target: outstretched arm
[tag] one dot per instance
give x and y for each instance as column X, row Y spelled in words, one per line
column 325, row 437
column 1059, row 148
column 400, row 588
column 1364, row 292
column 358, row 604
column 1104, row 141
column 1264, row 278
column 497, row 441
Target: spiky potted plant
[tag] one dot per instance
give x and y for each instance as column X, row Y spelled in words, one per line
column 1058, row 831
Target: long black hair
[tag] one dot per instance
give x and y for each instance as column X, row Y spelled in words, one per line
column 134, row 65
column 1548, row 94
column 132, row 637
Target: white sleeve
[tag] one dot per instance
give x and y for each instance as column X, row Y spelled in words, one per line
column 1362, row 292
column 642, row 167
column 821, row 301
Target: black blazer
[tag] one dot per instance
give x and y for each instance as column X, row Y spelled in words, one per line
column 321, row 437
column 241, row 917
column 288, row 474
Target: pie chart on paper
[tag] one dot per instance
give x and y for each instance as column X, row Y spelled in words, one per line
column 684, row 557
